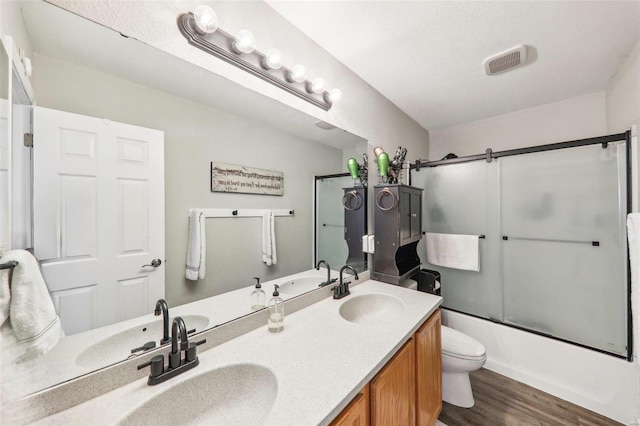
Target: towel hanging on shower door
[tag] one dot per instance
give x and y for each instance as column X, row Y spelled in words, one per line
column 455, row 251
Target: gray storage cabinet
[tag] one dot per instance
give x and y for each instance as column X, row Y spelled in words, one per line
column 398, row 229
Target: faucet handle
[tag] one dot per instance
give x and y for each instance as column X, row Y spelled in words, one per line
column 337, row 291
column 191, row 352
column 146, row 347
column 157, row 365
column 341, row 290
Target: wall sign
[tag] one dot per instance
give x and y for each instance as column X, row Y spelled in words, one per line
column 247, row 180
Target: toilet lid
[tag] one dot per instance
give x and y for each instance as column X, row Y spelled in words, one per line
column 460, row 345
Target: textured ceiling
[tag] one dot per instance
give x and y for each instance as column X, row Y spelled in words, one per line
column 426, row 56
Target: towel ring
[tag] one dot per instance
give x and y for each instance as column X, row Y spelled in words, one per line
column 384, row 193
column 346, row 202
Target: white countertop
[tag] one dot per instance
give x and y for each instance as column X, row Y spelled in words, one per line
column 59, row 364
column 320, row 361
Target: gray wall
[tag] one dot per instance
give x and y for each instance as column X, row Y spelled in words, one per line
column 362, row 111
column 195, row 135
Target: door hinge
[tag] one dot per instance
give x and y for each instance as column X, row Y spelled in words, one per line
column 28, row 140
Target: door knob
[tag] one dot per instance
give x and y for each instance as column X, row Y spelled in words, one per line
column 154, row 263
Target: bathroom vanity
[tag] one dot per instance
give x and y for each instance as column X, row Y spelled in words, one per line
column 354, row 355
column 408, row 390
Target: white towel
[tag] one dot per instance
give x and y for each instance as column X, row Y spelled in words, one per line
column 269, row 256
column 196, row 246
column 32, row 316
column 633, row 235
column 272, row 227
column 453, row 251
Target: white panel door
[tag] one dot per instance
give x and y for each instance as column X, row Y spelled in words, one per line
column 98, row 216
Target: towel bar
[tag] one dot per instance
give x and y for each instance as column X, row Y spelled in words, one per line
column 8, row 265
column 210, row 213
column 548, row 240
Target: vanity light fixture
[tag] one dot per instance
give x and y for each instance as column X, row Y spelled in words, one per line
column 200, row 28
column 333, row 95
column 316, row 86
column 298, row 74
column 245, row 42
column 205, row 19
column 273, row 59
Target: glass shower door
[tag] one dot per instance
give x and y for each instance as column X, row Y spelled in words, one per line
column 463, row 199
column 564, row 244
column 331, row 245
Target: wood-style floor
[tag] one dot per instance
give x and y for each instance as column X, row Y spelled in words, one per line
column 501, row 401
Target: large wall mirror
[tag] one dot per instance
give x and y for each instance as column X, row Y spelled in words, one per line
column 85, row 72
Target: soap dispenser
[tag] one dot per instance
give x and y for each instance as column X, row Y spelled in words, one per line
column 275, row 323
column 258, row 296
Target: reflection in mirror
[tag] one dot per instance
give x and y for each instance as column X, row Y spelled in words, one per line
column 85, row 73
column 341, row 221
column 5, row 191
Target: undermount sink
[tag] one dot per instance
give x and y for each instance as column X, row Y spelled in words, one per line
column 371, row 308
column 117, row 347
column 301, row 285
column 240, row 394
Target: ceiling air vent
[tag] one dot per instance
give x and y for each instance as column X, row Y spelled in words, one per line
column 507, row 60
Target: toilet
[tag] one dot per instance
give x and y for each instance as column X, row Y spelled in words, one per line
column 461, row 354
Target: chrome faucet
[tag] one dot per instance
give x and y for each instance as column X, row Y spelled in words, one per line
column 177, row 364
column 163, row 308
column 329, row 280
column 342, row 289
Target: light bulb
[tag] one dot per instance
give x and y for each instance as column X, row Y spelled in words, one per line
column 206, row 19
column 245, row 42
column 272, row 59
column 333, row 96
column 316, row 86
column 298, row 73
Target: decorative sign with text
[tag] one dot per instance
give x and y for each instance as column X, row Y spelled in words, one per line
column 248, row 180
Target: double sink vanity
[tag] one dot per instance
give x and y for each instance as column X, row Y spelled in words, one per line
column 326, row 357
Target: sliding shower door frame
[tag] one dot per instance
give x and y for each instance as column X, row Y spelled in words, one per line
column 489, row 156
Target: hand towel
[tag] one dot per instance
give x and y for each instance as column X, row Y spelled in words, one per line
column 633, row 235
column 269, row 256
column 455, row 251
column 272, row 230
column 266, row 237
column 32, row 316
column 196, row 246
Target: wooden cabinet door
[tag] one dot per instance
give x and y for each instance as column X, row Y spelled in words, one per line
column 429, row 371
column 393, row 390
column 357, row 412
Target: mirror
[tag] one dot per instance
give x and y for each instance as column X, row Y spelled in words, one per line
column 341, row 220
column 83, row 68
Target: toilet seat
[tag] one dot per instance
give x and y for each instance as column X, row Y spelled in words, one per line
column 459, row 345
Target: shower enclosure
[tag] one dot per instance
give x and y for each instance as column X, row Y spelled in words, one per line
column 553, row 259
column 340, row 221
